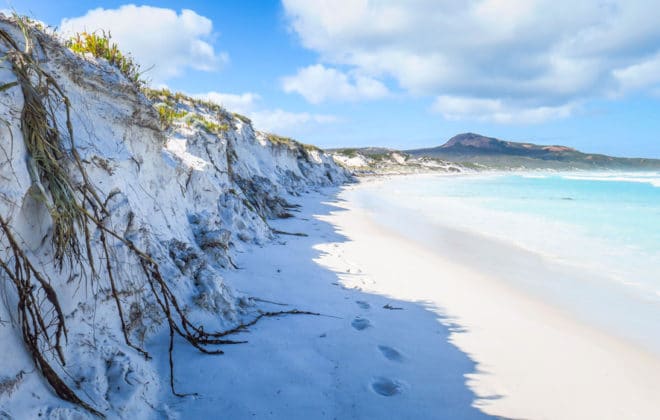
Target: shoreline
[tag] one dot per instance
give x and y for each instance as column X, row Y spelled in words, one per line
column 367, row 355
column 404, row 333
column 533, row 359
column 599, row 293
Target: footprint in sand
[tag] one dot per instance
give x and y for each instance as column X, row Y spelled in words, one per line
column 391, row 353
column 362, row 304
column 385, row 386
column 360, row 323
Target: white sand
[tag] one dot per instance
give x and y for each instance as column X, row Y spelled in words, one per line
column 534, row 361
column 365, row 361
column 358, row 361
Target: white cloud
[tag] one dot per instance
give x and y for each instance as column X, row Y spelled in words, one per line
column 280, row 121
column 155, row 36
column 272, row 120
column 640, row 75
column 242, row 103
column 496, row 110
column 540, row 55
column 318, row 84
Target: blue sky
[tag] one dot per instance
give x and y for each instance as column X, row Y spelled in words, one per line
column 402, row 74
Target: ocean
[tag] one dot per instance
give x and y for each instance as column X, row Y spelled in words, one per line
column 586, row 242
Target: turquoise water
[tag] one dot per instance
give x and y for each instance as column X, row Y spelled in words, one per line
column 621, row 208
column 588, row 242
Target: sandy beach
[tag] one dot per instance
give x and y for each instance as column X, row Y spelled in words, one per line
column 406, row 332
column 354, row 209
column 533, row 360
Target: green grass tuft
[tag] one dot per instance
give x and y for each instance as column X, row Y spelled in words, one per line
column 243, row 118
column 100, row 45
column 208, row 125
column 275, row 139
column 167, row 114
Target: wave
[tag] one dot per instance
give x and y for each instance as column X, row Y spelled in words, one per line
column 530, row 176
column 652, row 179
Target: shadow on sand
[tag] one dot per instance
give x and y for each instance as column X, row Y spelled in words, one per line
column 368, row 355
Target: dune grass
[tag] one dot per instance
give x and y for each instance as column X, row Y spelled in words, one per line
column 100, row 45
column 60, row 182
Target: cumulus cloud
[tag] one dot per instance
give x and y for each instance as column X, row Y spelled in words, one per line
column 160, row 38
column 280, row 121
column 521, row 54
column 318, row 83
column 496, row 110
column 639, row 75
column 242, row 103
column 264, row 119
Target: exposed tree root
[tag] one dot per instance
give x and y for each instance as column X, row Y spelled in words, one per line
column 37, row 324
column 76, row 210
column 281, row 232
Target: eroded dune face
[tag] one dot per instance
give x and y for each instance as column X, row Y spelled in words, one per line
column 179, row 200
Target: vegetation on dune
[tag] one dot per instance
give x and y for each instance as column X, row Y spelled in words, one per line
column 172, row 98
column 100, row 45
column 275, row 139
column 160, row 95
column 208, row 125
column 167, row 114
column 289, row 142
column 172, row 106
column 243, row 118
column 82, row 235
column 351, row 153
column 309, row 147
column 381, row 156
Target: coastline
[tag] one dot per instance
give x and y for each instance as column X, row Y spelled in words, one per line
column 534, row 360
column 366, row 356
column 404, row 332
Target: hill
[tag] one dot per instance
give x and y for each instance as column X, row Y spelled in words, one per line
column 492, row 152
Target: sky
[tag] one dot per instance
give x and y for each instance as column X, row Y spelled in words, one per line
column 401, row 74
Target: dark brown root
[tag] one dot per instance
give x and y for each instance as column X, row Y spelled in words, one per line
column 76, row 210
column 36, row 325
column 281, row 232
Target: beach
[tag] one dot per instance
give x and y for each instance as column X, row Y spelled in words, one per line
column 533, row 360
column 409, row 332
column 330, row 210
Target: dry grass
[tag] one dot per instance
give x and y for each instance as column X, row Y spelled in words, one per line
column 9, row 385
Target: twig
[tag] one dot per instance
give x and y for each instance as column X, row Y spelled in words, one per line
column 281, row 232
column 256, row 299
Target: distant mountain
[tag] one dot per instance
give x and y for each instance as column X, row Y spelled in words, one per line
column 492, row 152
